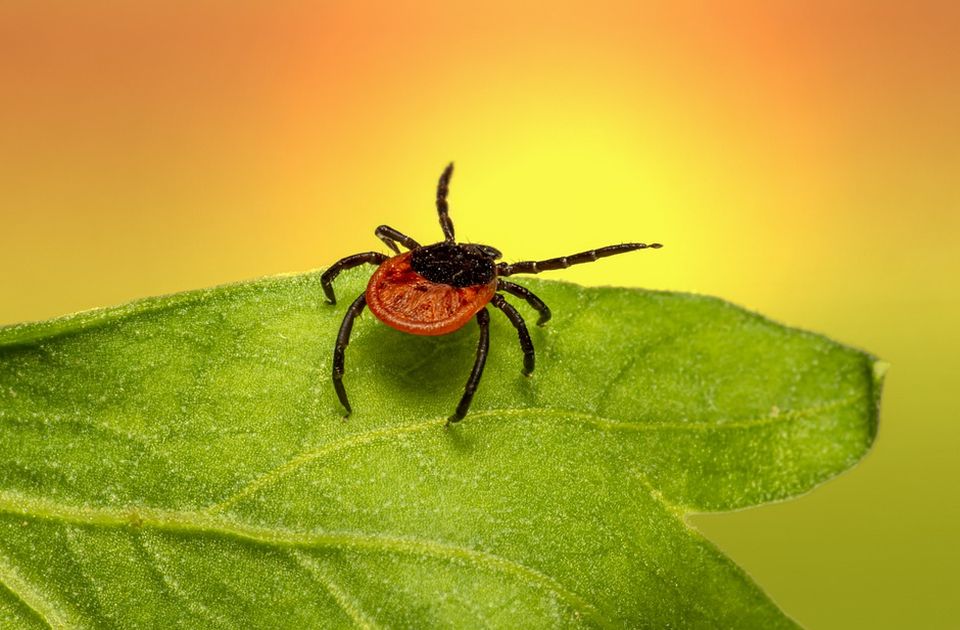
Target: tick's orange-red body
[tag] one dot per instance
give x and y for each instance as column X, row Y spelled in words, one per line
column 403, row 299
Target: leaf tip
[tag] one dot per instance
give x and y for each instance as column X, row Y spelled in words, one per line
column 878, row 372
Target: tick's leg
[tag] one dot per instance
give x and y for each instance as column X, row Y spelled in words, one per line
column 326, row 280
column 528, row 295
column 483, row 319
column 536, row 266
column 343, row 338
column 388, row 235
column 517, row 320
column 443, row 186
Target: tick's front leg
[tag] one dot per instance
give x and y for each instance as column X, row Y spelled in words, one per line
column 326, row 280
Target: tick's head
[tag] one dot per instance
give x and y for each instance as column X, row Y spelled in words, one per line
column 489, row 251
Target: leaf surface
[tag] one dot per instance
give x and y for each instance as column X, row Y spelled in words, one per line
column 182, row 462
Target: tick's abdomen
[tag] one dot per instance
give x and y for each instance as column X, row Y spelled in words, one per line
column 432, row 290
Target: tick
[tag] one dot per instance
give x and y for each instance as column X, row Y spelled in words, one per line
column 436, row 289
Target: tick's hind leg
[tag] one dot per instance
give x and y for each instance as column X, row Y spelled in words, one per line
column 388, row 235
column 483, row 319
column 326, row 280
column 517, row 320
column 343, row 338
column 528, row 295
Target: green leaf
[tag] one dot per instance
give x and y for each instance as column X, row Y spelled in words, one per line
column 182, row 462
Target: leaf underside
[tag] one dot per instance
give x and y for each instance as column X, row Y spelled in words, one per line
column 182, row 462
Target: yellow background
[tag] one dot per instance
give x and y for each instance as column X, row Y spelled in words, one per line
column 800, row 159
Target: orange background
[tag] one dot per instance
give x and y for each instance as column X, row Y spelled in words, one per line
column 801, row 159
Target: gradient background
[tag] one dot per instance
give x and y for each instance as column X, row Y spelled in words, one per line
column 800, row 159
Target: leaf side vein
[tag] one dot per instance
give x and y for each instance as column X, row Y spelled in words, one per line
column 173, row 586
column 367, row 437
column 32, row 598
column 349, row 607
column 202, row 523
